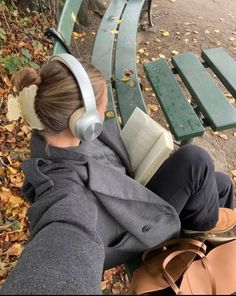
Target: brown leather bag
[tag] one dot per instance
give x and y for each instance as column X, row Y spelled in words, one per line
column 175, row 261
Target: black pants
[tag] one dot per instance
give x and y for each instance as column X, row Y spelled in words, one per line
column 188, row 181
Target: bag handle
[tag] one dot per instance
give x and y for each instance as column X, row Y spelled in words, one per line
column 200, row 244
column 205, row 263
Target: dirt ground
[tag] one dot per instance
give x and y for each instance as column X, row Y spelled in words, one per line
column 193, row 26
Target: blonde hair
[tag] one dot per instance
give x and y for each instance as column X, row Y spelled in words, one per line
column 58, row 94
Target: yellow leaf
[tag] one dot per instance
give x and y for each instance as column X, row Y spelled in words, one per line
column 215, row 133
column 10, row 127
column 175, row 52
column 7, row 80
column 15, row 201
column 104, row 284
column 125, row 78
column 233, row 173
column 15, row 250
column 223, row 136
column 110, row 114
column 22, row 44
column 153, row 107
column 147, row 89
column 75, row 35
column 12, row 170
column 132, row 83
column 119, row 21
column 114, row 32
column 162, row 56
column 73, row 17
column 141, row 50
column 165, row 33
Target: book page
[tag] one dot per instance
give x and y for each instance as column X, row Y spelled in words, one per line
column 139, row 135
column 156, row 156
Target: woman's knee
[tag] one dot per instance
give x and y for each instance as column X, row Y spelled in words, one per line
column 195, row 155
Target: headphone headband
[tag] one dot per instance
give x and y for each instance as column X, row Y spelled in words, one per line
column 81, row 77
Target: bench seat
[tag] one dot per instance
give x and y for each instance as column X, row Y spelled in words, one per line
column 182, row 119
column 215, row 107
column 223, row 65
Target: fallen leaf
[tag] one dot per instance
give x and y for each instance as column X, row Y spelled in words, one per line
column 233, row 172
column 231, row 38
column 119, row 21
column 104, row 284
column 141, row 50
column 162, row 56
column 215, row 133
column 75, row 35
column 207, row 32
column 125, row 78
column 217, row 31
column 153, row 107
column 165, row 33
column 147, row 89
column 73, row 17
column 114, row 32
column 175, row 52
column 132, row 83
column 10, row 127
column 15, row 250
column 223, row 136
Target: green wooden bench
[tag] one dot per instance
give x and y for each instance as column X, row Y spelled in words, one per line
column 114, row 54
column 211, row 105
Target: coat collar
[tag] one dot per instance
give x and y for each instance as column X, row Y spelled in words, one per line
column 110, row 137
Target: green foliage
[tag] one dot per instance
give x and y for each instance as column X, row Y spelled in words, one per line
column 13, row 62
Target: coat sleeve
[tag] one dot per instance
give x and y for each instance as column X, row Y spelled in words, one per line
column 64, row 254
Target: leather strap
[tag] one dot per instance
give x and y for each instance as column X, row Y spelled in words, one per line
column 199, row 244
column 205, row 263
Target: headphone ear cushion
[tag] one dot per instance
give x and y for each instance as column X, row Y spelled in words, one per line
column 75, row 116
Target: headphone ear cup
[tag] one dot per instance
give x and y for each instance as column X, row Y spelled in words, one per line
column 86, row 127
column 73, row 121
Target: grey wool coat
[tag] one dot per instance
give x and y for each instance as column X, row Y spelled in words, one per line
column 85, row 217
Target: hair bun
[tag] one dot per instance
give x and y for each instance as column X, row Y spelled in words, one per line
column 26, row 77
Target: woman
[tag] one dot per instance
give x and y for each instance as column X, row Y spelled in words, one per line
column 87, row 213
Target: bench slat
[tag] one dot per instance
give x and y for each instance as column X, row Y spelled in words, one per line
column 205, row 92
column 66, row 23
column 223, row 65
column 183, row 121
column 103, row 45
column 128, row 93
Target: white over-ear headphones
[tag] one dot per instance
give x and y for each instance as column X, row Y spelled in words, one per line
column 85, row 123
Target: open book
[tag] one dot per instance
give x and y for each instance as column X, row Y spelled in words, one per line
column 148, row 144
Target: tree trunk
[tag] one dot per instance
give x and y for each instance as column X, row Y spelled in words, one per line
column 90, row 5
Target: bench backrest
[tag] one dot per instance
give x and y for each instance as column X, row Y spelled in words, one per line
column 114, row 53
